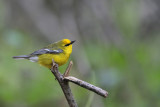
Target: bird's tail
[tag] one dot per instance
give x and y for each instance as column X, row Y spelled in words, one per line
column 21, row 57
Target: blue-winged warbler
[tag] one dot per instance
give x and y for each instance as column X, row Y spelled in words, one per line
column 59, row 51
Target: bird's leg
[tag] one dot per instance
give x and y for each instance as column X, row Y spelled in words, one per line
column 53, row 64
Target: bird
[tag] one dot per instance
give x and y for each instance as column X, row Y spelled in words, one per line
column 59, row 52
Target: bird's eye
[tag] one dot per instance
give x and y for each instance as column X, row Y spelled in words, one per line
column 67, row 44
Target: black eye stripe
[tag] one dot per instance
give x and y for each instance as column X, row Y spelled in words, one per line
column 67, row 44
column 70, row 43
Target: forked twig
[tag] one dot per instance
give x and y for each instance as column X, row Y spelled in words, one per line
column 64, row 83
column 66, row 73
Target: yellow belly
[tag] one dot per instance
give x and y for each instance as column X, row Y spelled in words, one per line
column 46, row 59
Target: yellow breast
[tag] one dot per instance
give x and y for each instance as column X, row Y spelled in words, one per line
column 46, row 59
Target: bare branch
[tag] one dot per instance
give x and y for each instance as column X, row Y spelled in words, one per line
column 86, row 85
column 64, row 85
column 66, row 73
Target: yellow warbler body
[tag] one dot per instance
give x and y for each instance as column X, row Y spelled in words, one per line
column 59, row 52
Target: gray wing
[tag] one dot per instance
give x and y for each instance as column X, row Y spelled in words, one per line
column 47, row 51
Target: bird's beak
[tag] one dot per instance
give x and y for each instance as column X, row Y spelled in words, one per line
column 73, row 41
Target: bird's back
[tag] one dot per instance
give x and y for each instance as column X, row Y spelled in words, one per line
column 60, row 58
column 59, row 52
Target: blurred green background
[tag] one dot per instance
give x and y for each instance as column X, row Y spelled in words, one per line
column 117, row 49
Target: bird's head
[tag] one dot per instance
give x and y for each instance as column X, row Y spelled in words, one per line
column 66, row 45
column 67, row 42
